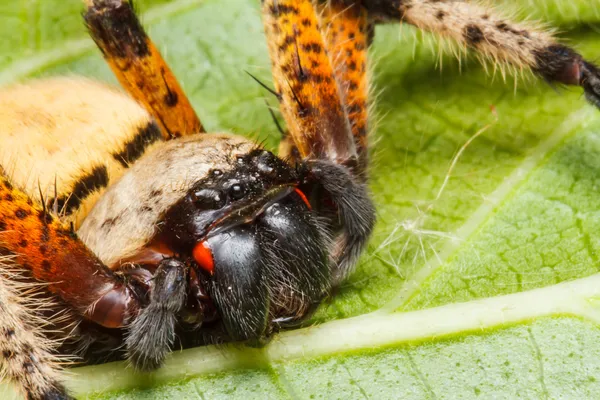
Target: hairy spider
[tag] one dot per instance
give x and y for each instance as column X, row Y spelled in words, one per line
column 159, row 232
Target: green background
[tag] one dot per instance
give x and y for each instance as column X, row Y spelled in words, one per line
column 520, row 210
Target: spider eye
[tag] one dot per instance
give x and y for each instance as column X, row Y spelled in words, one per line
column 208, row 199
column 237, row 191
column 265, row 162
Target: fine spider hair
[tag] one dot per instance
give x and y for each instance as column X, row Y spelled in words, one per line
column 259, row 256
column 30, row 357
column 413, row 229
column 148, row 347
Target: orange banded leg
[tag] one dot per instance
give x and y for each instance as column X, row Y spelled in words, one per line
column 346, row 36
column 139, row 67
column 303, row 75
column 52, row 254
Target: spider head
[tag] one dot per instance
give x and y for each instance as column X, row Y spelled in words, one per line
column 263, row 241
column 259, row 250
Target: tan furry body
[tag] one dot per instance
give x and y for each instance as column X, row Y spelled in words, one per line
column 57, row 130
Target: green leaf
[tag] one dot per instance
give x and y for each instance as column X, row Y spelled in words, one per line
column 481, row 279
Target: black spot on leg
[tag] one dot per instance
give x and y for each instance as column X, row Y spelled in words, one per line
column 559, row 63
column 171, row 99
column 440, row 15
column 312, row 47
column 23, row 243
column 280, row 9
column 134, row 149
column 351, row 65
column 306, row 22
column 46, row 266
column 7, row 354
column 28, row 367
column 21, row 214
column 287, row 41
column 8, row 197
column 473, row 34
column 9, row 332
column 502, row 26
column 316, row 78
column 45, row 217
column 45, row 236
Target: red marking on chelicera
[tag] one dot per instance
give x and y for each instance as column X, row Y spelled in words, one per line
column 203, row 257
column 303, row 197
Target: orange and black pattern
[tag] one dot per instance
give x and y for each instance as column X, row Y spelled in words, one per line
column 50, row 251
column 139, row 67
column 346, row 33
column 304, row 79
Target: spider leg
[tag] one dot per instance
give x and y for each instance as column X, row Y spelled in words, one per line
column 319, row 87
column 309, row 93
column 139, row 67
column 152, row 333
column 346, row 34
column 53, row 254
column 28, row 357
column 495, row 38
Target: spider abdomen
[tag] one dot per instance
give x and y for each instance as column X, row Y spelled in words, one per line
column 67, row 139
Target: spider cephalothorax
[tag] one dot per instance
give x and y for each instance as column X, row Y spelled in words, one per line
column 151, row 241
column 234, row 228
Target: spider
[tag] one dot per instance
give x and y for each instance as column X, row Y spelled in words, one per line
column 160, row 233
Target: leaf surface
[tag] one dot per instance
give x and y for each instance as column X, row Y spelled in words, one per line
column 481, row 279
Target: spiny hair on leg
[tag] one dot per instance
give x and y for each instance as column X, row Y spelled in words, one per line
column 518, row 46
column 29, row 357
column 491, row 32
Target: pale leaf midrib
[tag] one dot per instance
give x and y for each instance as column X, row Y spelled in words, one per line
column 366, row 332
